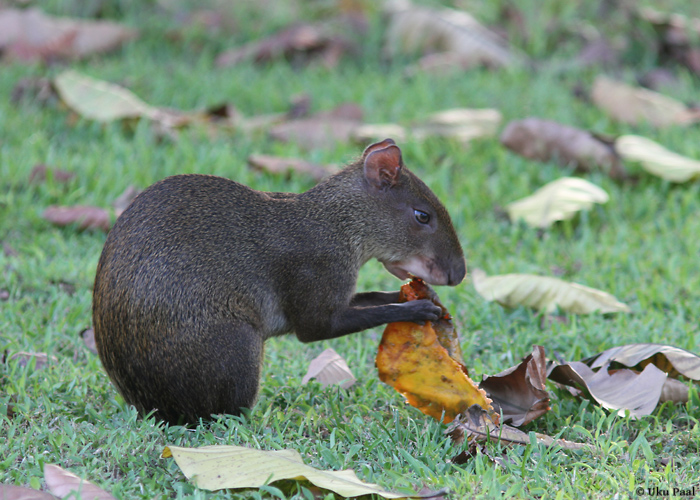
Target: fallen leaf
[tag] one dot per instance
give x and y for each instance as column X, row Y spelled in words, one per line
column 86, row 217
column 672, row 360
column 677, row 35
column 279, row 165
column 329, row 368
column 635, row 105
column 103, row 101
column 424, row 363
column 375, row 132
column 674, row 391
column 623, row 390
column 547, row 140
column 219, row 467
column 519, row 393
column 31, row 35
column 63, row 483
column 122, row 201
column 656, row 159
column 4, row 294
column 39, row 174
column 40, row 359
column 12, row 492
column 476, row 425
column 322, row 130
column 415, row 29
column 463, row 124
column 559, row 200
column 304, row 41
column 544, row 293
column 88, row 336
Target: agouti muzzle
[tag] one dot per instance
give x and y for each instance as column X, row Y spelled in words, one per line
column 199, row 271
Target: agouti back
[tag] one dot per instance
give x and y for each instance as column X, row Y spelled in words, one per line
column 200, row 270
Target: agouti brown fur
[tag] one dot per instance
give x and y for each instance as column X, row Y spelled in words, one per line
column 199, row 271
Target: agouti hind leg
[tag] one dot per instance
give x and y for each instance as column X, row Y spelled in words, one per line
column 224, row 377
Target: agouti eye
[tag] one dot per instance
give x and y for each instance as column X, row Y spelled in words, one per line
column 421, row 216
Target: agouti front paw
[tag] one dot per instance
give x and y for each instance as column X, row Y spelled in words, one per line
column 423, row 310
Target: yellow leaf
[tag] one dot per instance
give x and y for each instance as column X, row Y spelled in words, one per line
column 656, row 159
column 558, row 200
column 424, row 363
column 544, row 293
column 219, row 467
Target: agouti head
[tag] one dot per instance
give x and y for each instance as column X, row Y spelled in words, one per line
column 419, row 232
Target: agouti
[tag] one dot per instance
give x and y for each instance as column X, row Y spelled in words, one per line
column 200, row 270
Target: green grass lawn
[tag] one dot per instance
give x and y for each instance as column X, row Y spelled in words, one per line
column 643, row 246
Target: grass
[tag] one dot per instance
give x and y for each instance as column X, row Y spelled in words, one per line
column 642, row 246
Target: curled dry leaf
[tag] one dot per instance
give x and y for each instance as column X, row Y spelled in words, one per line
column 544, row 293
column 424, row 363
column 623, row 390
column 86, row 217
column 279, row 165
column 635, row 105
column 547, row 140
column 519, row 393
column 31, row 35
column 415, row 29
column 374, row 132
column 63, row 483
column 329, row 368
column 12, row 492
column 672, row 360
column 559, row 200
column 476, row 425
column 656, row 159
column 219, row 467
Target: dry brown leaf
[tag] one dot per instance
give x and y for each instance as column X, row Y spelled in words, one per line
column 463, row 124
column 544, row 293
column 425, row 364
column 88, row 336
column 304, row 41
column 40, row 359
column 656, row 159
column 476, row 425
column 63, row 483
column 12, row 492
column 635, row 105
column 322, row 130
column 329, row 368
column 124, row 200
column 547, row 140
column 623, row 390
column 39, row 174
column 86, row 217
column 674, row 391
column 279, row 165
column 31, row 35
column 672, row 360
column 519, row 393
column 415, row 29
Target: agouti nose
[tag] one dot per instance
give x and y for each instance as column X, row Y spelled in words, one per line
column 457, row 273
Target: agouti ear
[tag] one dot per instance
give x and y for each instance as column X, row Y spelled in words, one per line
column 383, row 166
column 378, row 145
